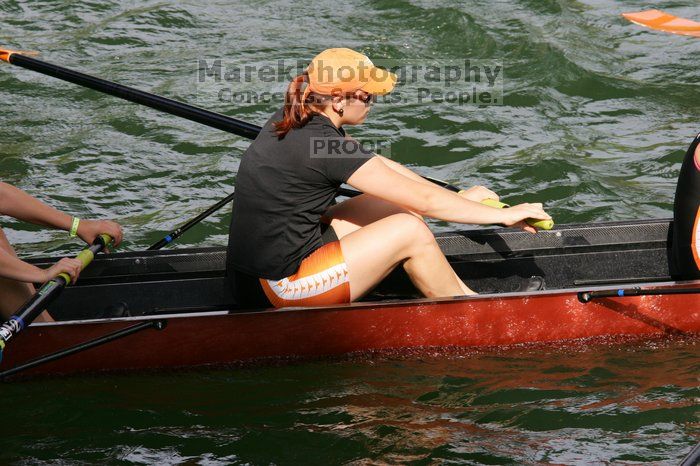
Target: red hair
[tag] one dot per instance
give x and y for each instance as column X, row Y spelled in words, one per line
column 295, row 114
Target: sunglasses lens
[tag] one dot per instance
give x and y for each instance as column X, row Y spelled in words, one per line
column 364, row 98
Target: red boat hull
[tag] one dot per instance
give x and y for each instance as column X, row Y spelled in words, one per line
column 222, row 338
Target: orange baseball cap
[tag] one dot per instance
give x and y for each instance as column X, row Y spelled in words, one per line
column 345, row 71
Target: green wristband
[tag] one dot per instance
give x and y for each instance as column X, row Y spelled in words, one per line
column 74, row 227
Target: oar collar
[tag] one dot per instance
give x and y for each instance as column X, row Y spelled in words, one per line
column 5, row 54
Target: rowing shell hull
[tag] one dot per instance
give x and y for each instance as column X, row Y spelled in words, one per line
column 220, row 338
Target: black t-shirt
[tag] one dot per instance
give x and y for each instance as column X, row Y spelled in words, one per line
column 283, row 186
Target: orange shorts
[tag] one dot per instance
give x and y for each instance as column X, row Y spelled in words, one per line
column 322, row 279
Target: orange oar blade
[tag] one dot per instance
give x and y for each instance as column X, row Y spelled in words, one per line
column 661, row 21
column 6, row 53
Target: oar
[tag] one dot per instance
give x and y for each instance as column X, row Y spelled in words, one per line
column 190, row 112
column 176, row 233
column 46, row 294
column 173, row 107
column 588, row 296
column 693, row 457
column 660, row 21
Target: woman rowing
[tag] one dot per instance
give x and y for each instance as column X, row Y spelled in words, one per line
column 17, row 276
column 290, row 245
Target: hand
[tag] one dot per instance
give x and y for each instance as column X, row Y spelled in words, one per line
column 478, row 194
column 89, row 230
column 70, row 266
column 516, row 216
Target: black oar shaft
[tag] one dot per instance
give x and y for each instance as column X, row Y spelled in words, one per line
column 173, row 107
column 190, row 112
column 588, row 296
column 157, row 324
column 46, row 294
column 176, row 233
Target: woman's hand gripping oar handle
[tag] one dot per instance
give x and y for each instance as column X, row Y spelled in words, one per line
column 539, row 224
column 49, row 291
column 88, row 254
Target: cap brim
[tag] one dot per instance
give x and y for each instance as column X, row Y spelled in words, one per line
column 381, row 82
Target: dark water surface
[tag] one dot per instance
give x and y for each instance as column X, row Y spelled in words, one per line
column 630, row 403
column 597, row 114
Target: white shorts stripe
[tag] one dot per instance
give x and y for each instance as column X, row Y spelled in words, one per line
column 312, row 285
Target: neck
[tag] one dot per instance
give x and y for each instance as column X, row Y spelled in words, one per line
column 334, row 117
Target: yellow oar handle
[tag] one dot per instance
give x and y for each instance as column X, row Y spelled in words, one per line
column 88, row 254
column 539, row 224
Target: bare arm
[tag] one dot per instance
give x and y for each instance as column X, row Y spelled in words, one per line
column 475, row 193
column 376, row 178
column 405, row 171
column 399, row 168
column 16, row 269
column 20, row 205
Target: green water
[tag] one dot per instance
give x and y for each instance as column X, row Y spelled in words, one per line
column 629, row 403
column 596, row 116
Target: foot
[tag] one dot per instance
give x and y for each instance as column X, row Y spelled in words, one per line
column 120, row 309
column 534, row 283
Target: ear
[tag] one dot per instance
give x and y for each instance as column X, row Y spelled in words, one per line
column 338, row 103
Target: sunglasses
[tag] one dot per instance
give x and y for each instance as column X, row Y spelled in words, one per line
column 366, row 99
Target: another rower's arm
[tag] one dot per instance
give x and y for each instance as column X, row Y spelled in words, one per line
column 16, row 269
column 377, row 179
column 13, row 268
column 20, row 205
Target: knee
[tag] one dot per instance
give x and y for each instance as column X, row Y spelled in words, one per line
column 415, row 229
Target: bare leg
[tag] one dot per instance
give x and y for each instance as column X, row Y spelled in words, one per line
column 15, row 293
column 406, row 240
column 355, row 213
